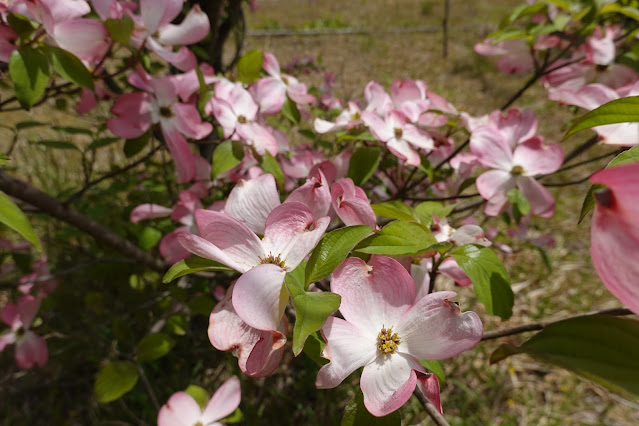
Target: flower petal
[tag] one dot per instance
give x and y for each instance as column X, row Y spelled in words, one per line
column 541, row 201
column 149, row 211
column 537, row 158
column 251, row 201
column 180, row 410
column 224, row 401
column 491, row 149
column 192, row 29
column 31, row 350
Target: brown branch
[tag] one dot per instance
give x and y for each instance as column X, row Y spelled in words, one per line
column 44, row 202
column 430, row 408
column 535, row 326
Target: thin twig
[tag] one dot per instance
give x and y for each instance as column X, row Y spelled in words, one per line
column 535, row 326
column 430, row 408
column 149, row 388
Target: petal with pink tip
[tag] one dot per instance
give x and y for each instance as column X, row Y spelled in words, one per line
column 183, row 59
column 10, row 315
column 388, row 382
column 259, row 137
column 259, row 297
column 287, row 234
column 541, row 201
column 267, row 352
column 180, row 151
column 494, row 183
column 156, row 13
column 270, row 94
column 134, row 115
column 315, row 194
column 417, row 137
column 348, row 349
column 537, row 158
column 86, row 38
column 28, row 307
column 515, row 126
column 7, row 339
column 170, row 247
column 373, row 296
column 251, row 201
column 224, row 401
column 451, row 269
column 270, row 64
column 192, row 29
column 402, row 149
column 434, row 328
column 380, row 129
column 31, row 350
column 180, row 410
column 428, row 384
column 188, row 121
column 149, row 211
column 491, row 149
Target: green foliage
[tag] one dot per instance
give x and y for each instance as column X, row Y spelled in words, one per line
column 602, row 349
column 120, row 30
column 363, row 164
column 227, row 155
column 399, row 238
column 149, row 238
column 489, row 277
column 436, row 368
column 191, row 266
column 519, row 203
column 311, row 310
column 622, row 110
column 249, row 67
column 154, row 346
column 394, row 210
column 426, row 210
column 331, row 251
column 313, row 348
column 12, row 216
column 69, row 67
column 270, row 165
column 114, row 380
column 135, row 146
column 199, row 394
column 29, row 71
column 290, row 111
column 356, row 414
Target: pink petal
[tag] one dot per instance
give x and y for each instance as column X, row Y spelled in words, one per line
column 493, row 186
column 134, row 115
column 31, row 350
column 183, row 59
column 541, row 202
column 451, row 269
column 224, row 115
column 434, row 328
column 86, row 38
column 28, row 307
column 170, row 247
column 180, row 410
column 260, row 297
column 270, row 64
column 348, row 349
column 417, row 137
column 11, row 315
column 315, row 194
column 251, row 201
column 224, row 401
column 373, row 296
column 287, row 232
column 377, row 126
column 491, row 149
column 515, row 126
column 428, row 384
column 614, row 237
column 401, row 149
column 378, row 100
column 259, row 137
column 388, row 382
column 192, row 29
column 537, row 158
column 156, row 13
column 181, row 153
column 188, row 121
column 149, row 211
column 270, row 94
column 469, row 234
column 7, row 339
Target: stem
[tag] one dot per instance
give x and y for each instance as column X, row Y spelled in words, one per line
column 149, row 389
column 431, row 410
column 534, row 326
column 44, row 202
column 581, row 148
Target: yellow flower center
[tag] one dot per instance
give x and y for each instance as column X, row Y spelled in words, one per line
column 242, row 119
column 387, row 341
column 275, row 260
column 517, row 171
column 398, row 133
column 165, row 111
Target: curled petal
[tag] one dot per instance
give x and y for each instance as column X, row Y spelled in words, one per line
column 428, row 384
column 192, row 29
column 31, row 350
column 149, row 211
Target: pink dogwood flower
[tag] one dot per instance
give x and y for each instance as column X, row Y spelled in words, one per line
column 351, row 204
column 182, row 410
column 31, row 349
column 349, row 118
column 387, row 332
column 514, row 169
column 614, row 235
column 259, row 297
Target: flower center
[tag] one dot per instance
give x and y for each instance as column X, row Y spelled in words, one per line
column 275, row 260
column 602, row 68
column 198, row 424
column 165, row 111
column 285, row 80
column 356, row 116
column 387, row 341
column 398, row 133
column 517, row 171
column 242, row 119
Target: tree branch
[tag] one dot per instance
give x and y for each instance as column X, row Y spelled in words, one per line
column 535, row 326
column 432, row 411
column 55, row 208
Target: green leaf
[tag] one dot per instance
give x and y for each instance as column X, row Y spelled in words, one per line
column 114, row 380
column 70, row 67
column 101, row 143
column 630, row 12
column 199, row 394
column 191, row 266
column 227, row 155
column 290, row 111
column 589, row 201
column 249, row 66
column 149, row 238
column 57, row 144
column 313, row 348
column 622, row 110
column 28, row 124
column 363, row 164
column 73, row 130
column 21, row 24
column 235, row 417
column 270, row 165
column 521, row 206
column 311, row 310
column 177, row 324
column 29, row 71
column 399, row 238
column 489, row 277
column 12, row 216
column 331, row 251
column 436, row 368
column 602, row 349
column 202, row 305
column 394, row 210
column 153, row 346
column 4, row 159
column 426, row 210
column 356, row 414
column 135, row 146
column 121, row 29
